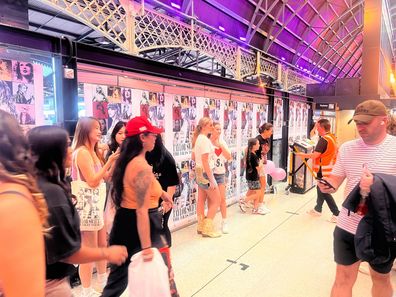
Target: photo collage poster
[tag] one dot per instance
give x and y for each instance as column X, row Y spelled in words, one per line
column 185, row 203
column 212, row 109
column 292, row 121
column 229, row 135
column 21, row 91
column 152, row 106
column 109, row 104
column 184, row 120
column 231, row 177
column 246, row 132
column 246, row 122
column 230, row 127
column 261, row 112
column 278, row 118
column 298, row 121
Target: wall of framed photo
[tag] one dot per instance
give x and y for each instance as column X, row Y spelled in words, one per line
column 27, row 86
column 113, row 95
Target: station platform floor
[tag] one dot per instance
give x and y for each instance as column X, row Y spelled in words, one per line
column 286, row 253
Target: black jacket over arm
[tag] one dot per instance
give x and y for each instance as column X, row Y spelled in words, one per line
column 376, row 232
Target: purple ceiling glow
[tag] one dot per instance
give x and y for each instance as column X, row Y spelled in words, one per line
column 314, row 35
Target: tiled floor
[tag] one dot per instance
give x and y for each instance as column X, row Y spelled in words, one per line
column 286, row 253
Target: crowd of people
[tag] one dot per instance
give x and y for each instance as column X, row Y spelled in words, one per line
column 84, row 203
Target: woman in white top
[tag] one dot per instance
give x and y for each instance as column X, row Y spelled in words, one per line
column 207, row 185
column 220, row 156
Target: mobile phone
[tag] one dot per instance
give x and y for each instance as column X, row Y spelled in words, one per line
column 325, row 182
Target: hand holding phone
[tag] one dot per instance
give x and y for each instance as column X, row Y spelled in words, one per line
column 325, row 182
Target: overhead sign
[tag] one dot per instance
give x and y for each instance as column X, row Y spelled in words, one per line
column 326, row 106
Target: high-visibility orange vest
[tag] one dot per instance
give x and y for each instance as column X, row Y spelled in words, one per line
column 327, row 159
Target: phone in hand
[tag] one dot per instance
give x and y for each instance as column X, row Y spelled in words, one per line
column 325, row 182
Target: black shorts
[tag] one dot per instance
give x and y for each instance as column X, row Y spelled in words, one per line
column 345, row 253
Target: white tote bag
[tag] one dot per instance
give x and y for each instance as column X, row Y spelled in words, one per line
column 90, row 202
column 148, row 279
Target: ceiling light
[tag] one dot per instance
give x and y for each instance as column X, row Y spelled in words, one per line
column 175, row 5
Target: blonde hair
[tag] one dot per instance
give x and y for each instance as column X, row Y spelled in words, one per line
column 81, row 135
column 202, row 123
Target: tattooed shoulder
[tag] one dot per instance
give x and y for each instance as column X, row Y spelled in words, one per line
column 141, row 182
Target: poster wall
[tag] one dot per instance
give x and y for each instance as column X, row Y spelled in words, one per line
column 184, row 123
column 179, row 114
column 278, row 118
column 21, row 91
column 298, row 121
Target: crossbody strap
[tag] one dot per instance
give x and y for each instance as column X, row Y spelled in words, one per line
column 14, row 193
column 75, row 163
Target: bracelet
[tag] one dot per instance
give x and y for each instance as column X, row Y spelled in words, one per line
column 146, row 248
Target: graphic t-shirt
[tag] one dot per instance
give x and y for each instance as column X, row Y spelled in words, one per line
column 218, row 158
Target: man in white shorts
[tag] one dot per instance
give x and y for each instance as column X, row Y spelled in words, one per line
column 377, row 150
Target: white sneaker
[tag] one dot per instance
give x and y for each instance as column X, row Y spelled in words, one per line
column 242, row 205
column 224, row 228
column 263, row 210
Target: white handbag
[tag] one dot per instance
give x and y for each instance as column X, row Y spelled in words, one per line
column 90, row 203
column 148, row 279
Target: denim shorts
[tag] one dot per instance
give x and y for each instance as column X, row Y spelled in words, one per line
column 254, row 185
column 220, row 178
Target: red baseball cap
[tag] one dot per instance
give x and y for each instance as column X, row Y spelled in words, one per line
column 139, row 125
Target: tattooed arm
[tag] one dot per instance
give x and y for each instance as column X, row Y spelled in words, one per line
column 141, row 183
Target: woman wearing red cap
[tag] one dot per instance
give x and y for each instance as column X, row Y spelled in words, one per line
column 136, row 192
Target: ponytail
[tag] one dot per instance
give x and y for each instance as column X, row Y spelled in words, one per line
column 202, row 122
column 197, row 131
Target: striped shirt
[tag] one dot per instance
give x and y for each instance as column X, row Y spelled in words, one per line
column 380, row 158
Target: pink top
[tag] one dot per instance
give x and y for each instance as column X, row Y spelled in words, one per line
column 76, row 174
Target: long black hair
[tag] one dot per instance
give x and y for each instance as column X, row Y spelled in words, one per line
column 130, row 148
column 49, row 146
column 156, row 157
column 15, row 164
column 113, row 145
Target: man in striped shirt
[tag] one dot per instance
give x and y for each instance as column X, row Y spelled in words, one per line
column 375, row 150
